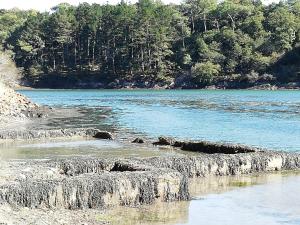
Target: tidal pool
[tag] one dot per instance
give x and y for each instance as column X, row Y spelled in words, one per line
column 76, row 147
column 271, row 199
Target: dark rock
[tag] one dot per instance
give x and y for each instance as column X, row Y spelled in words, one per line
column 212, row 148
column 92, row 132
column 178, row 144
column 138, row 141
column 103, row 135
column 165, row 141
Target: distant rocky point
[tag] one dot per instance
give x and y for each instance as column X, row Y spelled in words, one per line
column 16, row 106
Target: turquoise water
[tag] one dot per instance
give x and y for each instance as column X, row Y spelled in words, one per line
column 269, row 119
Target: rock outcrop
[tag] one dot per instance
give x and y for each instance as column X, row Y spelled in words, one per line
column 207, row 147
column 212, row 147
column 99, row 183
column 15, row 105
column 138, row 141
column 164, row 141
column 112, row 183
column 53, row 133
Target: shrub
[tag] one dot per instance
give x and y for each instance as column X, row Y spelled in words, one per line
column 204, row 73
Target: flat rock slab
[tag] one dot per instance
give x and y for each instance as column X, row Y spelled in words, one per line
column 100, row 183
column 212, row 148
column 98, row 190
column 206, row 147
column 53, row 133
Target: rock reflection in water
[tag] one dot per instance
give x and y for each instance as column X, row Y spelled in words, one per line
column 62, row 148
column 262, row 199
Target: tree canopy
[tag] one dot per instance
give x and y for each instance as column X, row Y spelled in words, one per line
column 206, row 40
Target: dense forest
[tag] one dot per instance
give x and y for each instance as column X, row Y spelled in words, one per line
column 232, row 43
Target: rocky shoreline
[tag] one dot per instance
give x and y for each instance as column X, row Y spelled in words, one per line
column 88, row 183
column 15, row 105
column 17, row 110
column 95, row 183
column 99, row 183
column 181, row 82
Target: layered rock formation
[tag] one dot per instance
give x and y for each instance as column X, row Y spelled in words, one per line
column 80, row 183
column 54, row 133
column 113, row 183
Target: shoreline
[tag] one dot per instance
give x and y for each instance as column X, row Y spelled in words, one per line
column 121, row 180
column 263, row 86
column 85, row 185
column 98, row 183
column 168, row 213
column 66, row 183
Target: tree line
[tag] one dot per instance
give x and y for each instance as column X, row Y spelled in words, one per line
column 201, row 41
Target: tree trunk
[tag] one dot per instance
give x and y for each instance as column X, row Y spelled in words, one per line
column 183, row 39
column 232, row 22
column 217, row 24
column 54, row 60
column 204, row 22
column 75, row 54
column 113, row 57
column 193, row 24
column 63, row 55
column 79, row 51
column 142, row 58
column 88, row 50
column 93, row 52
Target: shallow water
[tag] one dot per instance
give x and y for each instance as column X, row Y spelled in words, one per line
column 269, row 119
column 266, row 199
column 63, row 148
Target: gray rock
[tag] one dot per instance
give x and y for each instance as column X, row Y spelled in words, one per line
column 100, row 183
column 124, row 184
column 54, row 133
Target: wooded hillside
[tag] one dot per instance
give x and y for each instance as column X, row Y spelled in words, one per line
column 200, row 42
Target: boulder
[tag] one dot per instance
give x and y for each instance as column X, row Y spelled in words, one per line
column 103, row 135
column 138, row 141
column 164, row 141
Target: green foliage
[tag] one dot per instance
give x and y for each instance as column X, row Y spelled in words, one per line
column 205, row 73
column 154, row 42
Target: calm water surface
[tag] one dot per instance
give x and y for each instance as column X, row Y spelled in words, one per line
column 269, row 119
column 269, row 199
